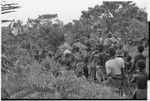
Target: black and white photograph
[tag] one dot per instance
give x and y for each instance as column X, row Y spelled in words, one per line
column 74, row 49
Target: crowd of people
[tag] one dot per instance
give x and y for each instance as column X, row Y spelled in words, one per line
column 106, row 61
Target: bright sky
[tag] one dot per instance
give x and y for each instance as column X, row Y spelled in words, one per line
column 67, row 10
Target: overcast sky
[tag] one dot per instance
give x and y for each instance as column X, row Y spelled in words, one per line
column 67, row 10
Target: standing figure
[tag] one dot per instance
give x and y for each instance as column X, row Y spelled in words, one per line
column 137, row 57
column 140, row 78
column 100, row 59
column 114, row 68
column 128, row 64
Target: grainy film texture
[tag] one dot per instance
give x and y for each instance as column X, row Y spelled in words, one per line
column 101, row 54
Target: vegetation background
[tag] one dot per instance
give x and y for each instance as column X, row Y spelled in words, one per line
column 23, row 77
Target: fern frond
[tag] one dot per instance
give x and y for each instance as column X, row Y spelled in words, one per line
column 23, row 93
column 43, row 89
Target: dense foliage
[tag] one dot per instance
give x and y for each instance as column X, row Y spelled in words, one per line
column 23, row 77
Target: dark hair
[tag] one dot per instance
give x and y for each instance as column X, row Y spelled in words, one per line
column 125, row 53
column 141, row 64
column 129, row 58
column 67, row 54
column 140, row 48
column 120, row 54
column 111, row 51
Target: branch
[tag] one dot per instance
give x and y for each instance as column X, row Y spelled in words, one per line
column 7, row 12
column 3, row 21
column 9, row 4
column 10, row 8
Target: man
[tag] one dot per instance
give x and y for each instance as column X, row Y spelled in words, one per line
column 67, row 58
column 100, row 59
column 147, row 66
column 114, row 65
column 108, row 40
column 114, row 68
column 140, row 78
column 77, row 57
column 64, row 47
column 137, row 57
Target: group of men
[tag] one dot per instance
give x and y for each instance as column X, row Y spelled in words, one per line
column 106, row 61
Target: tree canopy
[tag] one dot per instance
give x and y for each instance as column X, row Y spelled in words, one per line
column 23, row 73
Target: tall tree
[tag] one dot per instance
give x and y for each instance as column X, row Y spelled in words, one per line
column 116, row 17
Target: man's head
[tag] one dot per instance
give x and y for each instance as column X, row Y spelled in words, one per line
column 129, row 58
column 125, row 53
column 111, row 51
column 141, row 65
column 140, row 49
column 119, row 54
